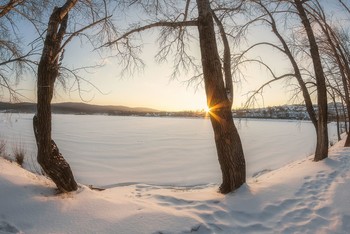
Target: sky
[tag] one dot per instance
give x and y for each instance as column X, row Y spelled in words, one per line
column 153, row 88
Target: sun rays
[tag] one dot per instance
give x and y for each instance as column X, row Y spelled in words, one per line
column 211, row 111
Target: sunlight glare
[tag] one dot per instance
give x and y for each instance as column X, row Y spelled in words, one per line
column 207, row 109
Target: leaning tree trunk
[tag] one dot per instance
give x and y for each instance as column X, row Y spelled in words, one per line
column 337, row 115
column 227, row 140
column 322, row 133
column 347, row 101
column 307, row 99
column 345, row 80
column 345, row 117
column 343, row 65
column 49, row 157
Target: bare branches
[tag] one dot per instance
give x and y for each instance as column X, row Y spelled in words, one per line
column 76, row 33
column 139, row 29
column 259, row 91
column 72, row 81
column 345, row 6
column 226, row 59
column 173, row 23
column 251, row 98
column 66, row 8
column 13, row 63
column 15, row 56
column 4, row 9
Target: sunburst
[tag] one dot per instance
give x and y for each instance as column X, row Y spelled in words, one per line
column 207, row 110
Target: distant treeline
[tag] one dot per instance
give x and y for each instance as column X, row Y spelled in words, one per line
column 297, row 112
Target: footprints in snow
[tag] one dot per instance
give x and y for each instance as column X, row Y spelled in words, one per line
column 307, row 209
column 7, row 228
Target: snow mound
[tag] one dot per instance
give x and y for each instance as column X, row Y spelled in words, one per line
column 301, row 197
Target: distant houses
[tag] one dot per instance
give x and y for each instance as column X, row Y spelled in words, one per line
column 297, row 112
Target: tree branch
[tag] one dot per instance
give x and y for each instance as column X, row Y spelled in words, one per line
column 9, row 6
column 149, row 26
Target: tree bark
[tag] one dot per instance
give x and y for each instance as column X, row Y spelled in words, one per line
column 336, row 114
column 345, row 80
column 308, row 103
column 226, row 59
column 346, row 117
column 322, row 133
column 49, row 157
column 341, row 60
column 227, row 140
column 4, row 9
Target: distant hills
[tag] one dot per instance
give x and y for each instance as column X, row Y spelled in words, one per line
column 277, row 112
column 75, row 108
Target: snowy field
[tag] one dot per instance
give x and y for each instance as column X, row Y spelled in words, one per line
column 108, row 151
column 300, row 197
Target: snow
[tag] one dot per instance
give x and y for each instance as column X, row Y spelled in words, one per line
column 300, row 197
column 106, row 151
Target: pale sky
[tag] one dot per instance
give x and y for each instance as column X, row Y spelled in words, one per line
column 153, row 88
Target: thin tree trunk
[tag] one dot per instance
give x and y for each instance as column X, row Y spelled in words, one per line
column 345, row 117
column 337, row 115
column 346, row 91
column 345, row 80
column 322, row 133
column 308, row 103
column 343, row 65
column 49, row 157
column 226, row 59
column 228, row 143
column 345, row 72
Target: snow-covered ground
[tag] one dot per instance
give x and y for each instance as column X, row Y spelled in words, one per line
column 108, row 151
column 162, row 176
column 300, row 197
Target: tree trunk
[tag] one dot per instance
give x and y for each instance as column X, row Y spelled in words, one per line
column 227, row 140
column 343, row 65
column 345, row 117
column 345, row 72
column 345, row 79
column 308, row 103
column 49, row 157
column 337, row 115
column 322, row 133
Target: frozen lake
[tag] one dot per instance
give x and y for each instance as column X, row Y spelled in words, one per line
column 113, row 150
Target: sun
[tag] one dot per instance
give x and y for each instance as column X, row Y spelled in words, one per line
column 207, row 109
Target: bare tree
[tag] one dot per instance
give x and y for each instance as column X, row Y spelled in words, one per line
column 228, row 143
column 268, row 18
column 15, row 57
column 49, row 157
column 308, row 82
column 333, row 48
column 283, row 10
column 346, row 7
column 335, row 51
column 216, row 71
column 322, row 133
